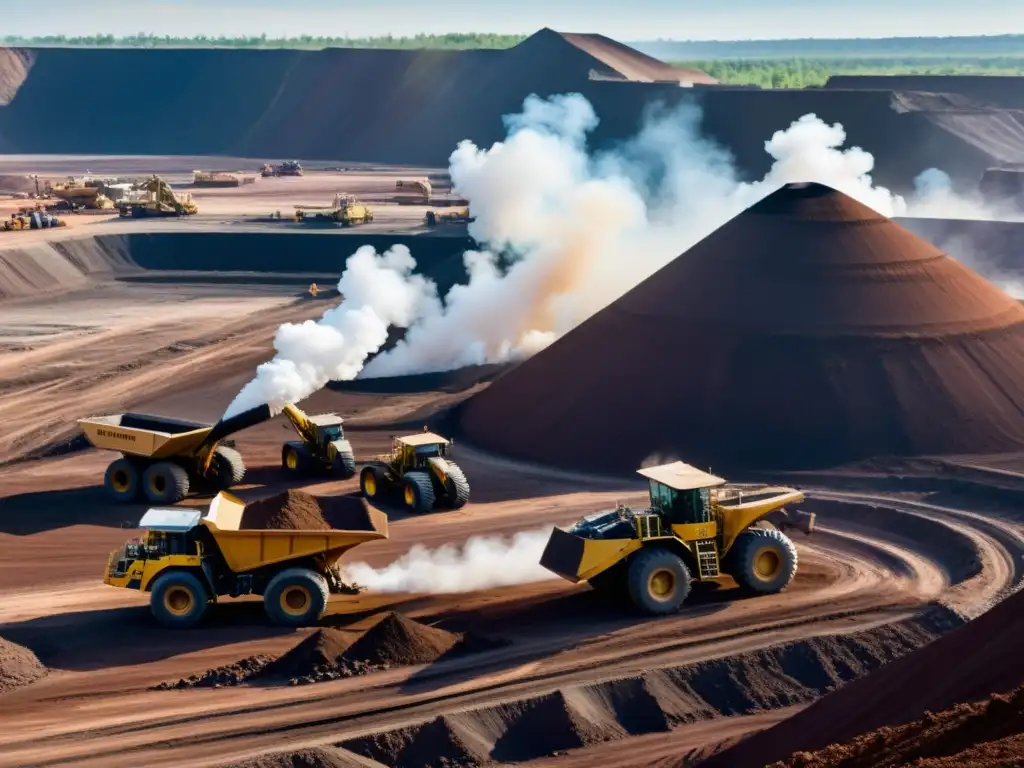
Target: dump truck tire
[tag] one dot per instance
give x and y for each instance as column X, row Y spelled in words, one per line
column 369, row 482
column 295, row 458
column 345, row 464
column 418, row 492
column 230, row 467
column 457, row 487
column 296, row 597
column 178, row 600
column 658, row 581
column 762, row 561
column 165, row 483
column 122, row 480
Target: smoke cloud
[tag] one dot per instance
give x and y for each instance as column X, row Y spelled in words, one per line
column 564, row 232
column 483, row 562
column 380, row 291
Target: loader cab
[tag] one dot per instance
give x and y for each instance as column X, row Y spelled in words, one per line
column 681, row 494
column 328, row 428
column 413, row 451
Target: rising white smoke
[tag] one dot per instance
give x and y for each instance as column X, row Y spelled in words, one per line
column 483, row 562
column 574, row 230
column 380, row 291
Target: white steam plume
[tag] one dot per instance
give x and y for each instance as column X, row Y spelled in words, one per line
column 380, row 291
column 483, row 562
column 575, row 231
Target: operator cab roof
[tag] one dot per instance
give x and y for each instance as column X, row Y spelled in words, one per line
column 423, row 438
column 172, row 520
column 325, row 420
column 681, row 477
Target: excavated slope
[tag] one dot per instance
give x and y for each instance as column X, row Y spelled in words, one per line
column 806, row 332
column 997, row 91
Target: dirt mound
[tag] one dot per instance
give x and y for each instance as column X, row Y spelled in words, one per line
column 399, row 640
column 235, row 673
column 988, row 733
column 992, row 90
column 18, row 666
column 297, row 510
column 444, row 742
column 808, row 331
column 15, row 64
column 322, row 757
column 955, row 668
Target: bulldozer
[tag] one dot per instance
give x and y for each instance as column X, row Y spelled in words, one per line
column 165, row 459
column 158, row 199
column 287, row 168
column 345, row 210
column 433, row 218
column 323, row 447
column 186, row 561
column 695, row 528
column 420, row 465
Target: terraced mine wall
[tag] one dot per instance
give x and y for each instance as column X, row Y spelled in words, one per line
column 413, row 107
column 71, row 263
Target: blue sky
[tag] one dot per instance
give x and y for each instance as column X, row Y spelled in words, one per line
column 621, row 19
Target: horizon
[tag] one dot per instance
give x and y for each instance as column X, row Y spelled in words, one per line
column 641, row 21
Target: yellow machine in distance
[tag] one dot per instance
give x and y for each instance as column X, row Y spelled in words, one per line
column 434, row 218
column 345, row 210
column 157, row 199
column 419, row 465
column 323, row 447
column 186, row 561
column 695, row 528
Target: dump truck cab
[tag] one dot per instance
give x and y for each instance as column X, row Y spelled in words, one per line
column 695, row 527
column 186, row 561
column 421, row 465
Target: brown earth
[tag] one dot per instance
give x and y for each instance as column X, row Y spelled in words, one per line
column 297, row 510
column 825, row 333
column 986, row 734
column 307, row 758
column 886, row 551
column 18, row 666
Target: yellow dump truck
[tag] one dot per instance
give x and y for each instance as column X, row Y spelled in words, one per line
column 164, row 459
column 695, row 528
column 186, row 561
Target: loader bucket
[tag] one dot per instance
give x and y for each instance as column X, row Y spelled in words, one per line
column 579, row 558
column 563, row 555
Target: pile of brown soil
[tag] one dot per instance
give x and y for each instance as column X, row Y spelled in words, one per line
column 965, row 665
column 988, row 734
column 231, row 674
column 808, row 331
column 322, row 757
column 301, row 511
column 399, row 641
column 18, row 666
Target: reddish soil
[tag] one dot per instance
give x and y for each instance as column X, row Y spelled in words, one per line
column 956, row 668
column 987, row 734
column 18, row 666
column 818, row 285
column 396, row 640
column 295, row 509
column 324, row 757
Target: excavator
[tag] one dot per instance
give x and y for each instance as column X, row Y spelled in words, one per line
column 158, row 200
column 323, row 447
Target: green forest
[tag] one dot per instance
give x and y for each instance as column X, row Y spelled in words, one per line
column 766, row 63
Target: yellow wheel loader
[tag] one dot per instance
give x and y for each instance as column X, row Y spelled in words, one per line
column 695, row 528
column 187, row 561
column 419, row 465
column 323, row 447
column 165, row 459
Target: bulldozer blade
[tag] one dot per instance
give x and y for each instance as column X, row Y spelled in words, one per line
column 563, row 555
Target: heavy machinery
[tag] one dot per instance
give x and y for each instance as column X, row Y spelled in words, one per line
column 323, row 447
column 165, row 459
column 433, row 218
column 696, row 528
column 33, row 220
column 85, row 193
column 419, row 187
column 345, row 210
column 220, row 179
column 186, row 561
column 287, row 168
column 156, row 198
column 419, row 465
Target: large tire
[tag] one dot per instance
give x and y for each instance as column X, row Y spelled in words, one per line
column 345, row 464
column 296, row 597
column 457, row 487
column 165, row 483
column 659, row 581
column 369, row 482
column 418, row 492
column 229, row 468
column 122, row 480
column 295, row 458
column 762, row 561
column 179, row 599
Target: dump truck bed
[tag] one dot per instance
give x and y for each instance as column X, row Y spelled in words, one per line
column 140, row 434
